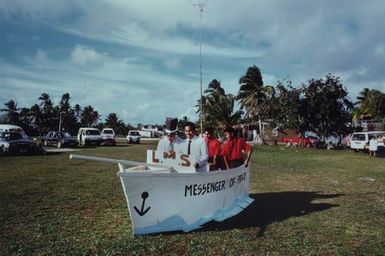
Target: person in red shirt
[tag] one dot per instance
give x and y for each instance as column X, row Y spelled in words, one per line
column 213, row 148
column 234, row 149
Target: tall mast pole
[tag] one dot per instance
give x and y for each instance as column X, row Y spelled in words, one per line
column 201, row 5
column 200, row 64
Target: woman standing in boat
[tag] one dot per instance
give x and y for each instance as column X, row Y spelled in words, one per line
column 213, row 149
column 234, row 149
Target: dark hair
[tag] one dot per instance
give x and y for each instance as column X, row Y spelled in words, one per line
column 209, row 130
column 191, row 124
column 230, row 130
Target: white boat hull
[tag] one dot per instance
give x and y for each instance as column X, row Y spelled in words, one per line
column 160, row 200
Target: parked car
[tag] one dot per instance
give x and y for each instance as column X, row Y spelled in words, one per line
column 59, row 139
column 89, row 136
column 133, row 136
column 108, row 136
column 360, row 140
column 16, row 143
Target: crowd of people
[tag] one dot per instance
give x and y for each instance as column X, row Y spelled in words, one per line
column 208, row 151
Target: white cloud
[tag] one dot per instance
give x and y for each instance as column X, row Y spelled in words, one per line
column 41, row 56
column 134, row 91
column 82, row 55
column 172, row 63
column 380, row 51
column 127, row 43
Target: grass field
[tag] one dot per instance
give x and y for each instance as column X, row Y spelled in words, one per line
column 307, row 202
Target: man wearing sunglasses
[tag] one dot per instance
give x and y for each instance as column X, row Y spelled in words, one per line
column 169, row 143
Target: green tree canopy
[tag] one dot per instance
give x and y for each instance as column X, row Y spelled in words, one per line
column 218, row 107
column 251, row 92
column 370, row 104
column 283, row 105
column 112, row 121
column 89, row 117
column 326, row 108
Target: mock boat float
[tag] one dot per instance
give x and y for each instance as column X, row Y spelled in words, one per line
column 167, row 194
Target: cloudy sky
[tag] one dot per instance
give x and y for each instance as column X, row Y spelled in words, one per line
column 140, row 58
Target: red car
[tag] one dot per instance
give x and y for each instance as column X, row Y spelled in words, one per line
column 296, row 141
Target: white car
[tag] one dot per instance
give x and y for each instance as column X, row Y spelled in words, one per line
column 89, row 136
column 133, row 136
column 108, row 136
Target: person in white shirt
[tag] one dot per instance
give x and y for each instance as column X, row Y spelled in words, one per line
column 168, row 145
column 195, row 146
column 373, row 146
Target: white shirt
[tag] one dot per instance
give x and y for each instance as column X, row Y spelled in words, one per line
column 373, row 145
column 198, row 149
column 164, row 145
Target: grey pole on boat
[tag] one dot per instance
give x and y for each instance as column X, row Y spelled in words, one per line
column 116, row 161
column 105, row 160
column 121, row 163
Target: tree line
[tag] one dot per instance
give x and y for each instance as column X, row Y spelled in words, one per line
column 320, row 105
column 45, row 116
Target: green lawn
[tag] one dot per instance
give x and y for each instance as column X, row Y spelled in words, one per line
column 307, row 202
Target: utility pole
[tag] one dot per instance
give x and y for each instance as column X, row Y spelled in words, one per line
column 60, row 120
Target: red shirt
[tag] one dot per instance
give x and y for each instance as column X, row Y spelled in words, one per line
column 213, row 147
column 233, row 149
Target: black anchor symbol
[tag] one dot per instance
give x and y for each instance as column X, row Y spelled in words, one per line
column 141, row 212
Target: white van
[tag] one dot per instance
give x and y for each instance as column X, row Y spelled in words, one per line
column 360, row 140
column 89, row 136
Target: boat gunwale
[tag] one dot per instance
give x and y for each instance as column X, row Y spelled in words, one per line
column 181, row 174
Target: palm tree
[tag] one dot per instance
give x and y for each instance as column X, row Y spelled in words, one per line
column 49, row 117
column 46, row 103
column 362, row 97
column 113, row 121
column 26, row 121
column 211, row 96
column 89, row 116
column 12, row 113
column 371, row 105
column 68, row 115
column 218, row 108
column 220, row 114
column 37, row 117
column 64, row 103
column 78, row 111
column 215, row 86
column 251, row 92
